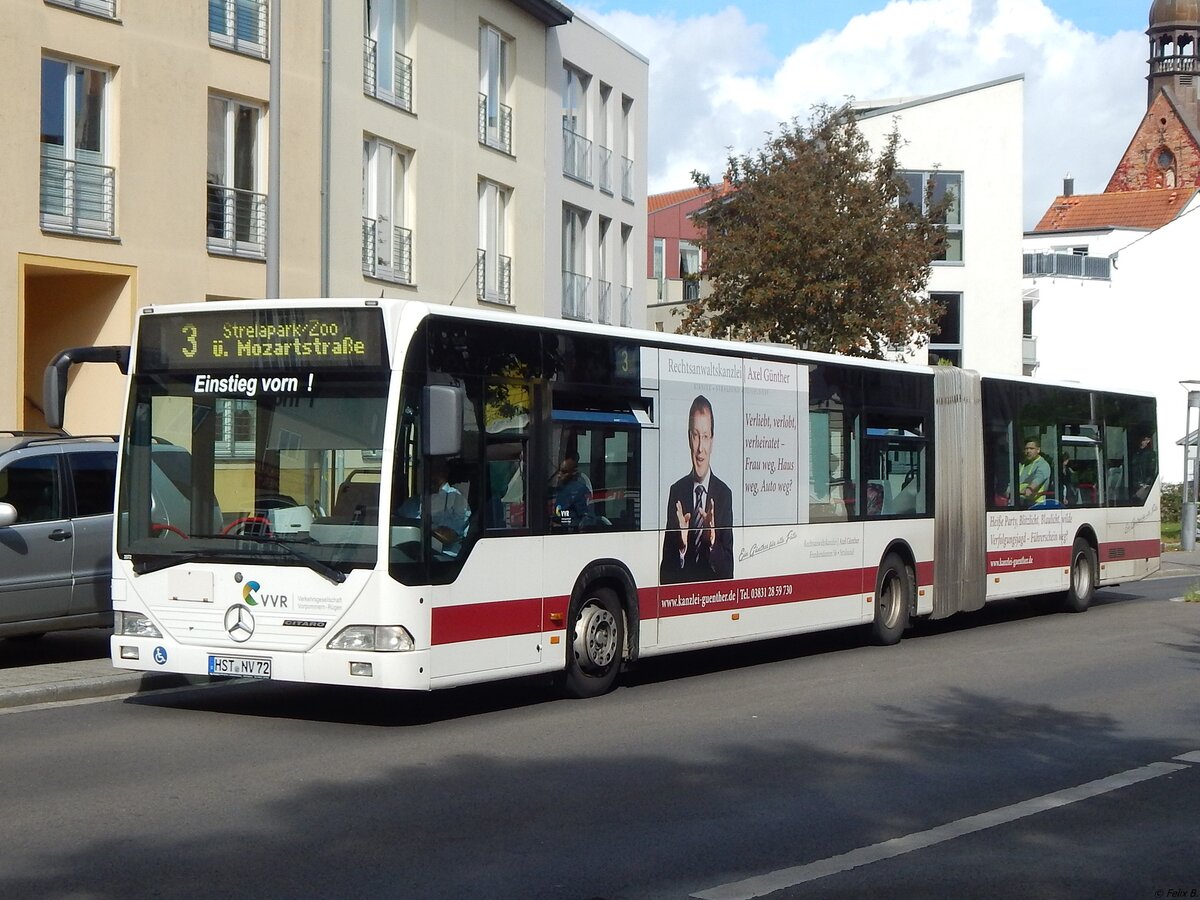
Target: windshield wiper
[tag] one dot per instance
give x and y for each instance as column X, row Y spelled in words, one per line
column 158, row 563
column 321, row 567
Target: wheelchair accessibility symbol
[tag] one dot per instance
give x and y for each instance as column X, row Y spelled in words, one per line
column 160, row 655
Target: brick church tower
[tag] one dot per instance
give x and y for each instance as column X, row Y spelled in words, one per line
column 1160, row 170
column 1165, row 150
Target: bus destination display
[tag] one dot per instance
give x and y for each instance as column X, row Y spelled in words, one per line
column 219, row 340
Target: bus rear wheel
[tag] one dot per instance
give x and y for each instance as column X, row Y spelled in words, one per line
column 893, row 597
column 1083, row 577
column 597, row 643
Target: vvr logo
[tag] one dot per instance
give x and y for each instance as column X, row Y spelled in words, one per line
column 253, row 595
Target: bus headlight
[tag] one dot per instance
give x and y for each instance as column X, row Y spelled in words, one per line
column 134, row 624
column 380, row 638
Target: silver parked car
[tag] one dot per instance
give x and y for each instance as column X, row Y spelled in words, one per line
column 56, row 520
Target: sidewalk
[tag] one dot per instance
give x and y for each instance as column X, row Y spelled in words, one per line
column 71, row 666
column 75, row 665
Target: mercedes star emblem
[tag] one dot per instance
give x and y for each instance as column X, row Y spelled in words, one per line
column 239, row 622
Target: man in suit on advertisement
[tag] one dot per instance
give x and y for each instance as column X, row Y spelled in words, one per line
column 698, row 545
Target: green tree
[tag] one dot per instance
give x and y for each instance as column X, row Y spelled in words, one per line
column 812, row 241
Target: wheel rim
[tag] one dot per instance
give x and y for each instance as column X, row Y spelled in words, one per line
column 595, row 638
column 890, row 600
column 1081, row 576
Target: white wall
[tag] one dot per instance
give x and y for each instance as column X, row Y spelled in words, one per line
column 976, row 131
column 1138, row 332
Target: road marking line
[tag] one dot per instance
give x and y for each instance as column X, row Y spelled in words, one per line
column 760, row 885
column 1193, row 757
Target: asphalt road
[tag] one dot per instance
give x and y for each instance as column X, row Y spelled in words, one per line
column 1007, row 753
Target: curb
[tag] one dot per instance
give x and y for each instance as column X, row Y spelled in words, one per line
column 92, row 687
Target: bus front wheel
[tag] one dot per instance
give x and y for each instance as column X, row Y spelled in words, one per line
column 893, row 597
column 597, row 643
column 1083, row 577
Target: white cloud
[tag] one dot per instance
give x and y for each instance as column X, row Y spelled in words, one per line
column 714, row 84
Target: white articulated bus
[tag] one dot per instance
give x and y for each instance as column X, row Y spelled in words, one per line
column 402, row 495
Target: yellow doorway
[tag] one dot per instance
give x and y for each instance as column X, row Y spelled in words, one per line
column 73, row 303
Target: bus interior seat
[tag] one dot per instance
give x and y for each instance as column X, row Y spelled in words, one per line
column 357, row 502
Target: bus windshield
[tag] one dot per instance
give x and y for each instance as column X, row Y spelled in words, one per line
column 255, row 434
column 210, row 473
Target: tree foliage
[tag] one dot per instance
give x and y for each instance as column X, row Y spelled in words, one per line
column 811, row 241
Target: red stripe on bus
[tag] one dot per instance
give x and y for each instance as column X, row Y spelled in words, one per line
column 1115, row 551
column 505, row 618
column 477, row 621
column 1001, row 561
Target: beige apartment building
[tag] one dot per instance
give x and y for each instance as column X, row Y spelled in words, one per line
column 485, row 153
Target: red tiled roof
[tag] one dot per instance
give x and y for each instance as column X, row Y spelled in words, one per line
column 656, row 202
column 1118, row 209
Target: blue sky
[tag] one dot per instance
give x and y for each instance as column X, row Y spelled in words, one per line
column 791, row 22
column 722, row 72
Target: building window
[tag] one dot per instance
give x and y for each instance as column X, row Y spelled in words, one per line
column 105, row 8
column 689, row 270
column 944, row 183
column 604, row 154
column 387, row 71
column 577, row 148
column 604, row 288
column 660, row 268
column 238, row 25
column 77, row 188
column 493, row 276
column 236, row 205
column 387, row 242
column 576, row 283
column 628, row 140
column 628, row 271
column 235, row 429
column 945, row 346
column 495, row 116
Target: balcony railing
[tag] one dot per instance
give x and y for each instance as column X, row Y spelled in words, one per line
column 390, row 260
column 236, row 221
column 604, row 302
column 604, row 161
column 1173, row 65
column 238, row 25
column 626, row 305
column 626, row 178
column 77, row 197
column 495, row 124
column 577, row 156
column 493, row 278
column 105, row 8
column 575, row 291
column 1067, row 265
column 399, row 92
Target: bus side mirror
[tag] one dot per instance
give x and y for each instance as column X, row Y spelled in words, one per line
column 54, row 382
column 442, row 420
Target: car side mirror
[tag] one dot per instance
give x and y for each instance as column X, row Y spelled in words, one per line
column 8, row 514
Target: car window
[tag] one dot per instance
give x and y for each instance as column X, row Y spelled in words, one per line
column 93, row 477
column 31, row 485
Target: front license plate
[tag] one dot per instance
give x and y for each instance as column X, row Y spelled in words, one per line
column 239, row 666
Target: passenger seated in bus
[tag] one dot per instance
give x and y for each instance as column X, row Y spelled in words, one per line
column 1068, row 483
column 572, row 494
column 875, row 495
column 1034, row 475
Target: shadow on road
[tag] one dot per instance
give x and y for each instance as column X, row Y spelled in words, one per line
column 55, row 647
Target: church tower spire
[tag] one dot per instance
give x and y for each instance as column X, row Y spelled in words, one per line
column 1175, row 56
